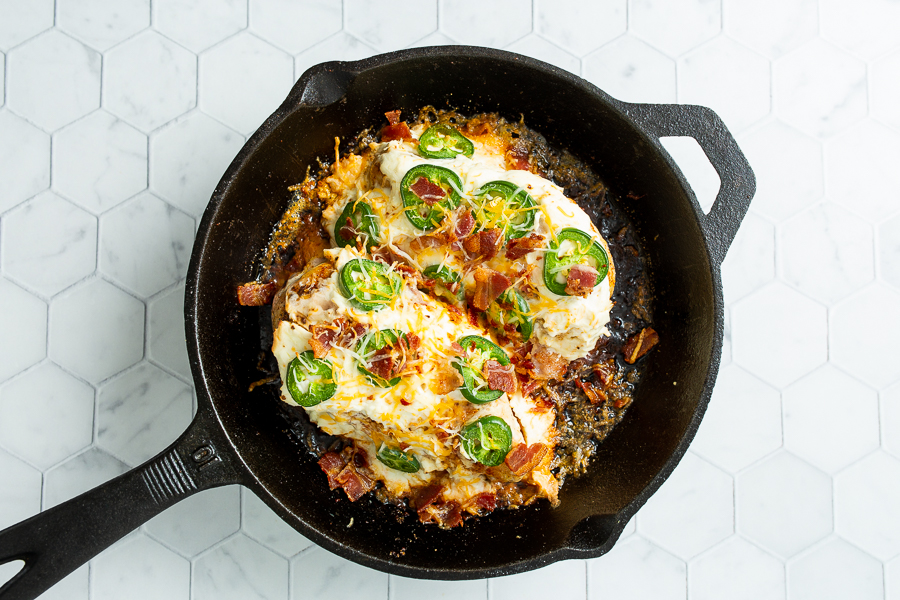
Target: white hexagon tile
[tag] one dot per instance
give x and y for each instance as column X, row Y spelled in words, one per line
column 117, row 119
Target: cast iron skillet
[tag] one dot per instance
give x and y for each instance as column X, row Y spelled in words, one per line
column 236, row 436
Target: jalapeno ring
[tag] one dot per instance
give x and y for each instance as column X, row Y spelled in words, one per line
column 443, row 141
column 376, row 341
column 446, row 279
column 517, row 313
column 363, row 220
column 442, row 189
column 369, row 285
column 478, row 351
column 581, row 249
column 398, row 459
column 486, row 440
column 504, row 205
column 310, row 380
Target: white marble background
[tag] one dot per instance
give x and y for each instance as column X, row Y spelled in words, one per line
column 118, row 117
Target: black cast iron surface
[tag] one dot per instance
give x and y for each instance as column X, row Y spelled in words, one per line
column 236, row 440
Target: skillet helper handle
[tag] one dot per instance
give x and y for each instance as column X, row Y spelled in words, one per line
column 738, row 184
column 57, row 541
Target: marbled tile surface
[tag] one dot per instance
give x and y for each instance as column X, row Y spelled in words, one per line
column 118, row 118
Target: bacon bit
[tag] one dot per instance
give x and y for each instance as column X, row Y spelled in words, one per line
column 500, row 377
column 389, row 361
column 516, row 248
column 517, row 157
column 322, row 339
column 396, row 129
column 387, row 256
column 445, row 514
column 332, row 463
column 580, row 280
column 530, row 387
column 523, row 459
column 405, row 402
column 489, row 284
column 339, row 332
column 464, row 225
column 482, row 504
column 256, row 294
column 424, row 242
column 547, row 364
column 456, row 350
column 413, row 342
column 428, row 192
column 355, row 484
column 485, row 244
column 640, row 344
column 605, row 372
column 594, row 394
column 427, row 496
column 622, row 402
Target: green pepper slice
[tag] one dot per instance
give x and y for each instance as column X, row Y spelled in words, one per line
column 504, row 205
column 398, row 459
column 369, row 285
column 572, row 247
column 447, row 280
column 362, row 220
column 420, row 213
column 486, row 440
column 376, row 341
column 511, row 308
column 443, row 141
column 310, row 380
column 477, row 351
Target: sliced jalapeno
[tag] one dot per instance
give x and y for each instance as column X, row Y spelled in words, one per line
column 504, row 205
column 428, row 193
column 369, row 285
column 477, row 351
column 572, row 247
column 511, row 308
column 310, row 380
column 486, row 440
column 443, row 141
column 398, row 459
column 362, row 222
column 376, row 341
column 448, row 281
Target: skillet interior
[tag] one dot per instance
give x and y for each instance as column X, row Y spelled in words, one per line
column 572, row 114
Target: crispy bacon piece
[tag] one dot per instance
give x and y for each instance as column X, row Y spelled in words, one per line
column 348, row 231
column 256, row 294
column 389, row 361
column 387, row 256
column 430, row 193
column 640, row 344
column 445, row 379
column 516, row 248
column 464, row 225
column 429, row 241
column 580, row 280
column 605, row 372
column 594, row 394
column 547, row 364
column 500, row 377
column 343, row 474
column 484, row 244
column 523, row 459
column 517, row 157
column 489, row 284
column 395, row 129
column 530, row 386
column 456, row 350
column 339, row 332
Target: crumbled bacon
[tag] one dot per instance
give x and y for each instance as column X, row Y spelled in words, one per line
column 444, row 380
column 605, row 372
column 427, row 191
column 256, row 294
column 387, row 256
column 395, row 129
column 342, row 473
column 517, row 157
column 640, row 344
column 348, row 231
column 445, row 514
column 580, row 280
column 500, row 377
column 464, row 225
column 516, row 248
column 339, row 332
column 456, row 350
column 523, row 459
column 530, row 387
column 547, row 364
column 389, row 361
column 594, row 394
column 489, row 284
column 482, row 504
column 484, row 244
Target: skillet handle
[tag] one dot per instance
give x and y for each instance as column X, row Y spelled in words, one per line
column 738, row 184
column 59, row 540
